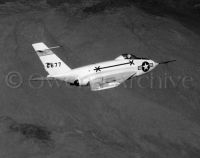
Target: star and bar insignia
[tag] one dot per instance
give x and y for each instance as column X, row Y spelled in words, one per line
column 145, row 66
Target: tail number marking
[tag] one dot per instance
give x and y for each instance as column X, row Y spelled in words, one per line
column 52, row 65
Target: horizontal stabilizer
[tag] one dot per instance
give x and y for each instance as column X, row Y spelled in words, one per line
column 43, row 79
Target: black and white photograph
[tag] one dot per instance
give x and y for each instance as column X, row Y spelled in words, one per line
column 100, row 78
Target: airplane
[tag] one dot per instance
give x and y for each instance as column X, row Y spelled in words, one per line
column 98, row 76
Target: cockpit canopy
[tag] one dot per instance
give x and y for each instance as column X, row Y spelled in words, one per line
column 129, row 56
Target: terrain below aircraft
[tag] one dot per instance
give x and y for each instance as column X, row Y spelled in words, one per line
column 99, row 76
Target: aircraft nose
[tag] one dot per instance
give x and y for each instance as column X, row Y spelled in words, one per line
column 155, row 63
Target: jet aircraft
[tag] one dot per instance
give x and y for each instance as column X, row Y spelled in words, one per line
column 98, row 76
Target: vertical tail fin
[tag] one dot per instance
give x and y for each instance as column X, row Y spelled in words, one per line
column 52, row 63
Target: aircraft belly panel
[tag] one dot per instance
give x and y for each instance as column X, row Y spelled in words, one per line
column 105, row 80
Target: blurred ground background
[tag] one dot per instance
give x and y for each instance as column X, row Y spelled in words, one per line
column 138, row 119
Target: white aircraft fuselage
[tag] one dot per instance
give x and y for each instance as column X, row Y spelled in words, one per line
column 98, row 76
column 81, row 76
